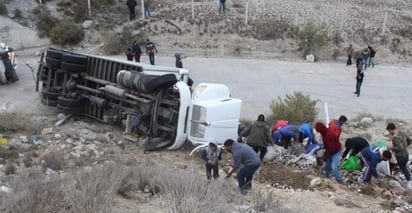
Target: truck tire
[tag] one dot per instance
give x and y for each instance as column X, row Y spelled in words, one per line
column 74, row 59
column 69, row 110
column 73, row 68
column 155, row 143
column 161, row 82
column 53, row 62
column 48, row 102
column 54, row 54
column 46, row 94
column 68, row 102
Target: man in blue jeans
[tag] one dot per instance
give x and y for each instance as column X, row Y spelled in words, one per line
column 246, row 156
column 333, row 151
column 222, row 6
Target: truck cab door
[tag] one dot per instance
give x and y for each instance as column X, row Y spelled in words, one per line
column 214, row 115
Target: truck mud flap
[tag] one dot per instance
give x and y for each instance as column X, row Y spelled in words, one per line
column 155, row 143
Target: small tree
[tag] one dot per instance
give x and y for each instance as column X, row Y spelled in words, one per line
column 296, row 109
column 311, row 37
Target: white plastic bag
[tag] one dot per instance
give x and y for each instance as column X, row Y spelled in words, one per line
column 383, row 167
column 273, row 152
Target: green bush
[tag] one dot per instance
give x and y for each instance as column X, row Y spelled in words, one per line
column 18, row 13
column 66, row 32
column 45, row 22
column 311, row 38
column 3, row 7
column 296, row 109
column 78, row 9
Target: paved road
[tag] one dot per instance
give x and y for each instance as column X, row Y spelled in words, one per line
column 386, row 92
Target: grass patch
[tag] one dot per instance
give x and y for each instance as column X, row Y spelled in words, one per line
column 3, row 7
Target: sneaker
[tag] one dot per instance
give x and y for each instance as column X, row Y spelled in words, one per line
column 342, row 182
column 243, row 192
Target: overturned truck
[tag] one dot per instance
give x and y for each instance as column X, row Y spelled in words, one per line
column 150, row 101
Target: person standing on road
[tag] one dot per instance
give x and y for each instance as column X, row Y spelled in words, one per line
column 371, row 156
column 353, row 146
column 372, row 54
column 137, row 51
column 359, row 80
column 365, row 55
column 132, row 4
column 332, row 152
column 243, row 155
column 150, row 51
column 350, row 53
column 400, row 143
column 146, row 6
column 258, row 136
column 336, row 125
column 222, row 6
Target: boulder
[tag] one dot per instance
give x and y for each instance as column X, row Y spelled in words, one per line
column 25, row 147
column 315, row 182
column 87, row 24
column 47, row 131
column 366, row 121
column 310, row 58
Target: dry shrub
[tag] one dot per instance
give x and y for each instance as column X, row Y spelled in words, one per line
column 45, row 21
column 18, row 122
column 10, row 169
column 93, row 189
column 112, row 42
column 3, row 7
column 11, row 153
column 54, row 160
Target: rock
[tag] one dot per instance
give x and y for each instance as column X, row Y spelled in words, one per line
column 25, row 147
column 180, row 165
column 47, row 131
column 87, row 24
column 58, row 136
column 366, row 121
column 395, row 185
column 396, row 211
column 5, row 189
column 50, row 172
column 346, row 203
column 61, row 116
column 135, row 33
column 109, row 137
column 310, row 58
column 87, row 134
column 315, row 182
column 24, row 139
column 69, row 140
column 147, row 189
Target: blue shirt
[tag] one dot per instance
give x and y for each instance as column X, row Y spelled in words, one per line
column 373, row 156
column 287, row 131
column 307, row 131
column 244, row 155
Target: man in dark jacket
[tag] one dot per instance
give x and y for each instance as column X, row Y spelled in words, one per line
column 137, row 51
column 371, row 156
column 246, row 156
column 359, row 81
column 132, row 4
column 151, row 50
column 353, row 146
column 332, row 152
column 400, row 141
column 350, row 53
column 372, row 54
column 258, row 136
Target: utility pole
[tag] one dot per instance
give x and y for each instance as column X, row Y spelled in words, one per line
column 247, row 12
column 142, row 9
column 385, row 19
column 193, row 9
column 89, row 5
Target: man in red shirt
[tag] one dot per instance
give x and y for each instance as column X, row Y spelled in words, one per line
column 333, row 151
column 336, row 125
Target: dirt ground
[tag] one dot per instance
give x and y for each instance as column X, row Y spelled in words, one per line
column 277, row 174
